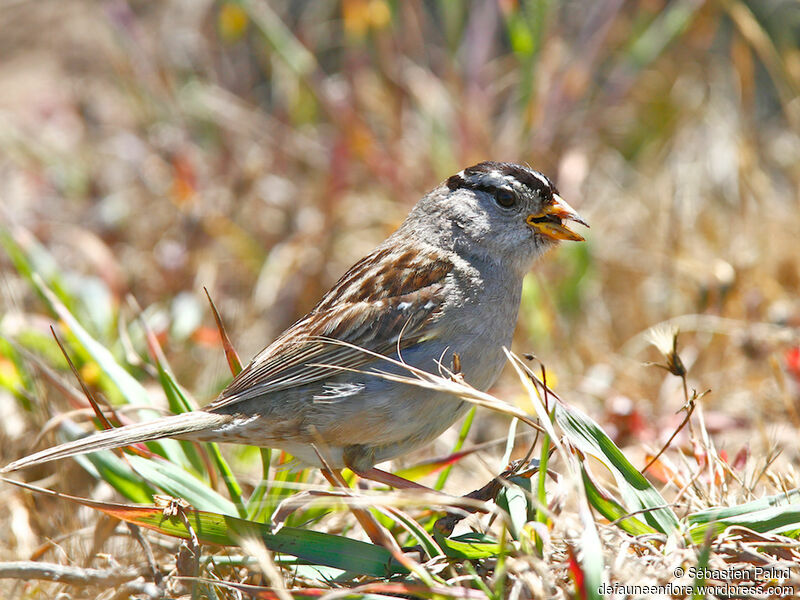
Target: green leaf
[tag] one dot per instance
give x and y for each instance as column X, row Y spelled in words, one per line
column 775, row 514
column 179, row 402
column 591, row 559
column 123, row 382
column 279, row 492
column 714, row 514
column 462, row 436
column 515, row 500
column 255, row 503
column 637, row 493
column 96, row 305
column 784, row 520
column 211, row 528
column 703, row 558
column 470, row 546
column 31, row 258
column 665, row 28
column 181, row 484
column 14, row 376
column 611, row 509
column 418, row 531
column 575, row 265
column 110, row 468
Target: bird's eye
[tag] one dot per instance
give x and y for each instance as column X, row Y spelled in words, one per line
column 505, row 197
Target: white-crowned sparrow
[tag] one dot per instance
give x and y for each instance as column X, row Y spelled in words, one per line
column 447, row 281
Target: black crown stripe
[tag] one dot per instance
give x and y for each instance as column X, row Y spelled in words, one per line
column 524, row 176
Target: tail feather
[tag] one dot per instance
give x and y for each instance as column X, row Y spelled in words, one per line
column 175, row 426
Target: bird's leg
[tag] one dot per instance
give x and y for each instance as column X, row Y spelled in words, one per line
column 359, row 459
column 395, row 481
column 331, row 477
column 376, row 533
column 489, row 492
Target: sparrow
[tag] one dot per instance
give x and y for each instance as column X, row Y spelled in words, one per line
column 447, row 282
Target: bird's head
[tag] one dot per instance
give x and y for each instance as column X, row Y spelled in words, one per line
column 507, row 211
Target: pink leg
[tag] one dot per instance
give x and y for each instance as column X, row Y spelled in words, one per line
column 389, row 479
column 331, row 476
column 375, row 532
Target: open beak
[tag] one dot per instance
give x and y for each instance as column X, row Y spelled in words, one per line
column 550, row 221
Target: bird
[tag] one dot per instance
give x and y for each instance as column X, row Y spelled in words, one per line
column 445, row 285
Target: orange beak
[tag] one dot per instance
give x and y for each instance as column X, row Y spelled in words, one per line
column 550, row 221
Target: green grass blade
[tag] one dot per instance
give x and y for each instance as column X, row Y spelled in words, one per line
column 280, row 38
column 784, row 520
column 180, row 403
column 541, row 491
column 591, row 560
column 14, row 375
column 470, row 546
column 637, row 493
column 703, row 558
column 462, row 436
column 313, row 547
column 229, row 478
column 611, row 509
column 181, row 484
column 256, row 504
column 31, row 259
column 124, row 384
column 113, row 470
column 423, row 538
column 665, row 28
column 515, row 500
column 316, row 548
column 278, row 492
column 127, row 386
column 109, row 467
column 715, row 514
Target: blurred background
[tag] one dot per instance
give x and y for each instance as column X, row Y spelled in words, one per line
column 259, row 148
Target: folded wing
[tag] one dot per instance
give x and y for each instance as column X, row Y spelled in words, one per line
column 389, row 300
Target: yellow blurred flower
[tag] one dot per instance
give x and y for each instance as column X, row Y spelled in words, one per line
column 232, row 22
column 362, row 15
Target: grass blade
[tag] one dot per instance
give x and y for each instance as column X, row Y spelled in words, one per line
column 784, row 520
column 179, row 483
column 611, row 509
column 462, row 436
column 212, row 528
column 715, row 514
column 121, row 383
column 637, row 493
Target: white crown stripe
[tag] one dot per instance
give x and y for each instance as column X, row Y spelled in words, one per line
column 541, row 178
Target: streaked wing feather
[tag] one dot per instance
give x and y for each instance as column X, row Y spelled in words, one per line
column 381, row 308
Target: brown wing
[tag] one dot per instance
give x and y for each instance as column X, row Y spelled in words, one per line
column 372, row 306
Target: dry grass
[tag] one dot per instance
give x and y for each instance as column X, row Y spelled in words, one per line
column 258, row 151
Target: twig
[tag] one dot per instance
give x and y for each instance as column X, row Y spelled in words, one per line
column 140, row 589
column 689, row 410
column 136, row 532
column 82, row 576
